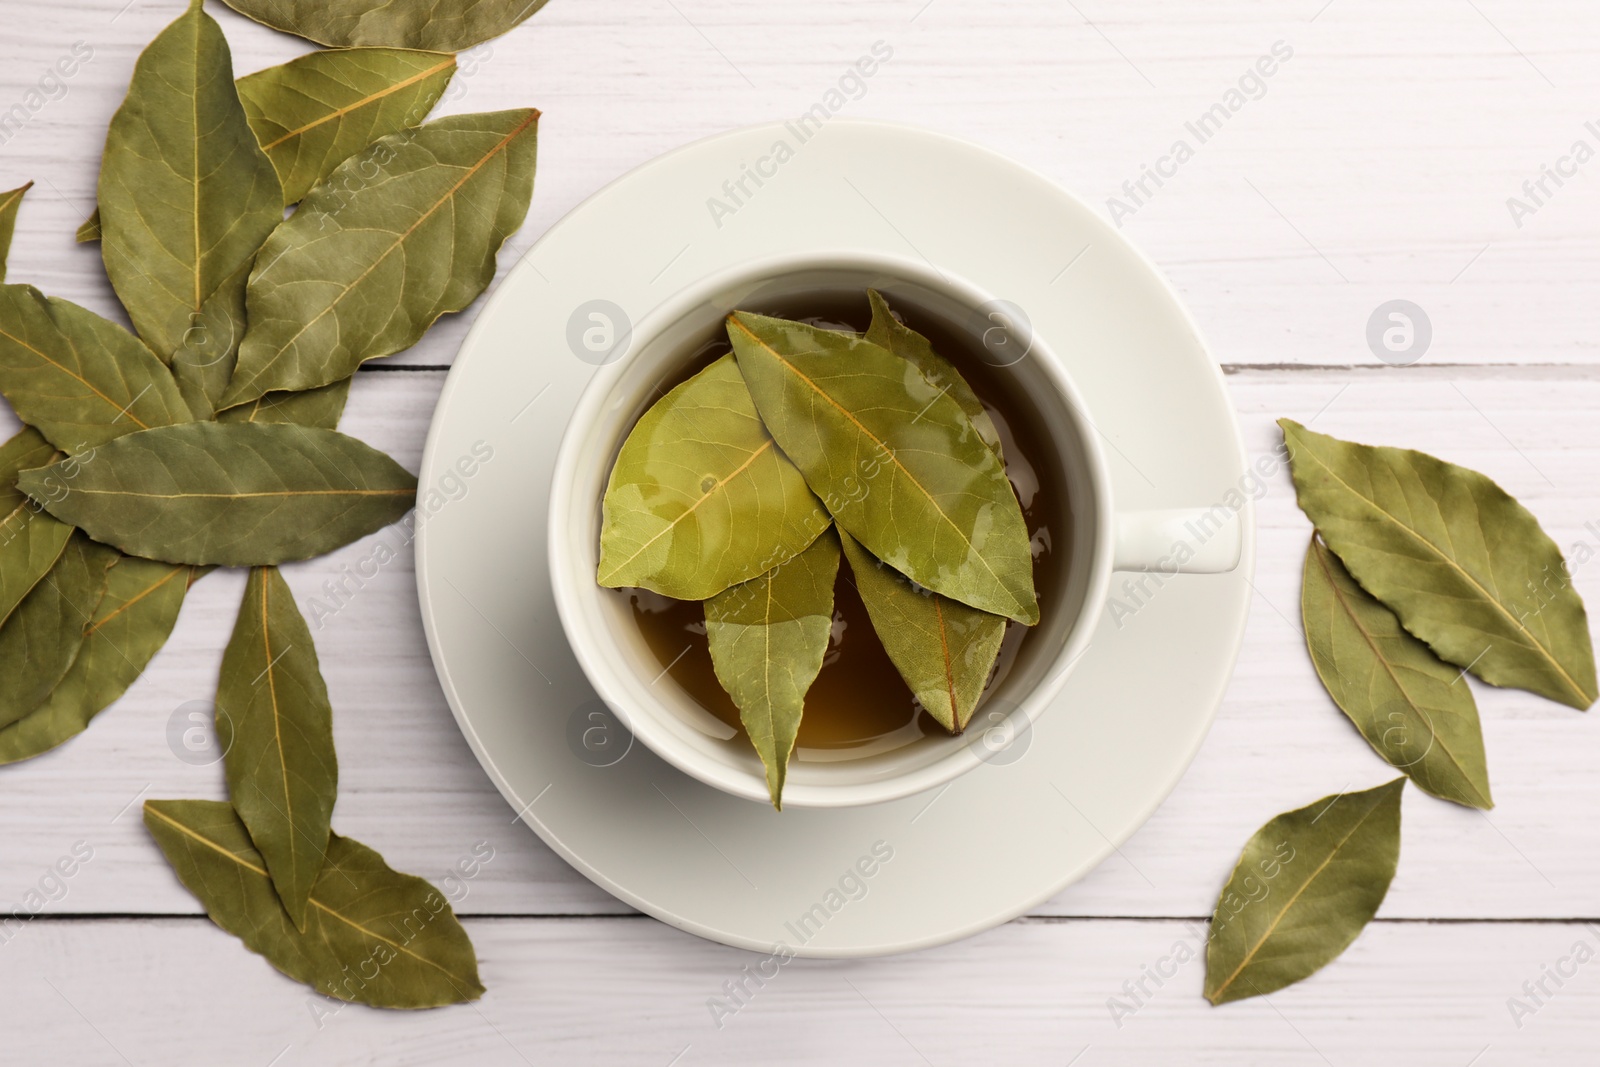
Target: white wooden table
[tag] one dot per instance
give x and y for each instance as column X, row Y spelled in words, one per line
column 1376, row 165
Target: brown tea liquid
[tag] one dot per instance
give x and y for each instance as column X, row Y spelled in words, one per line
column 859, row 698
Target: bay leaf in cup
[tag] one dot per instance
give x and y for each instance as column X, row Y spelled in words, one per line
column 895, row 460
column 275, row 726
column 1465, row 566
column 186, row 194
column 888, row 332
column 81, row 380
column 768, row 636
column 234, row 494
column 942, row 648
column 373, row 935
column 1415, row 711
column 701, row 498
column 1305, row 886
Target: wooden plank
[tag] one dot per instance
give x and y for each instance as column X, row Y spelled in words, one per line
column 631, row 991
column 1376, row 163
column 411, row 788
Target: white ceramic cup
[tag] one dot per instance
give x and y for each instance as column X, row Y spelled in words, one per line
column 629, row 677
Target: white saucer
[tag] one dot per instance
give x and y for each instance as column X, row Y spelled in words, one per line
column 998, row 840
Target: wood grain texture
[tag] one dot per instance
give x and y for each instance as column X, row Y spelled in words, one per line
column 1389, row 143
column 630, row 991
column 1376, row 166
column 411, row 788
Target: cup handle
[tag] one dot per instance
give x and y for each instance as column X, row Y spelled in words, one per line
column 1179, row 540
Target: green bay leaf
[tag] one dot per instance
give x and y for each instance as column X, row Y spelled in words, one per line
column 701, row 498
column 1416, row 712
column 312, row 113
column 888, row 332
column 30, row 540
column 186, row 194
column 1465, row 567
column 401, row 23
column 275, row 726
column 894, row 459
column 81, row 380
column 40, row 640
column 133, row 621
column 10, row 201
column 942, row 648
column 236, row 495
column 373, row 935
column 1305, row 886
column 321, row 406
column 768, row 637
column 401, row 233
column 209, row 350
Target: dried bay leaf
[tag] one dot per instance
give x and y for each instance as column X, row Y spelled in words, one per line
column 1416, row 712
column 275, row 726
column 1305, row 886
column 1465, row 567
column 43, row 635
column 80, row 379
column 942, row 648
column 209, row 350
column 312, row 113
column 701, row 498
column 133, row 621
column 186, row 194
column 888, row 332
column 768, row 637
column 238, row 494
column 9, row 202
column 30, row 540
column 321, row 406
column 373, row 935
column 400, row 234
column 895, row 460
column 401, row 23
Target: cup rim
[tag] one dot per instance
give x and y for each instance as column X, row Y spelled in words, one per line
column 597, row 651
